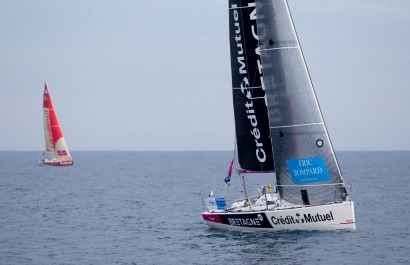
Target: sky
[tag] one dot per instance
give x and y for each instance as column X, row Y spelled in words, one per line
column 155, row 75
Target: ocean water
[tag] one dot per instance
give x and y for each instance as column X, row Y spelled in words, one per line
column 145, row 208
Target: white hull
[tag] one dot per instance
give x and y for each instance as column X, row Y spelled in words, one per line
column 337, row 216
column 56, row 163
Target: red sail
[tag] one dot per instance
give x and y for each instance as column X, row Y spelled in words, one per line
column 54, row 139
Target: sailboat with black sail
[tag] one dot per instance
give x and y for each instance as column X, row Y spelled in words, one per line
column 279, row 131
column 56, row 153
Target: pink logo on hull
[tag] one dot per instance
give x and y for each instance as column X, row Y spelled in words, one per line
column 212, row 218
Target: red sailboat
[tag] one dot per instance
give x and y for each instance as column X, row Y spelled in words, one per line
column 56, row 153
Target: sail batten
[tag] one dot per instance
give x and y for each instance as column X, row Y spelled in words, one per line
column 239, row 88
column 297, row 125
column 280, row 48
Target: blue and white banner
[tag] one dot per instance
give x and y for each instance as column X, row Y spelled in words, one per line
column 308, row 170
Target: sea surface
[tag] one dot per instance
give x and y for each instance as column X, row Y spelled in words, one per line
column 145, row 208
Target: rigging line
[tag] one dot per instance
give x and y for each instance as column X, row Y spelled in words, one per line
column 297, row 125
column 281, row 48
column 295, row 13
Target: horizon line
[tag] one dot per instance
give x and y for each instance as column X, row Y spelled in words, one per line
column 198, row 150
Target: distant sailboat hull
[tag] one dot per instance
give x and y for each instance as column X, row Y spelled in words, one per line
column 338, row 216
column 56, row 163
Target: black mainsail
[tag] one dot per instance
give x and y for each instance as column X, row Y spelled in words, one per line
column 304, row 156
column 254, row 148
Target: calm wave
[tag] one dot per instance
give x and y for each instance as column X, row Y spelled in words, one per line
column 145, row 208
